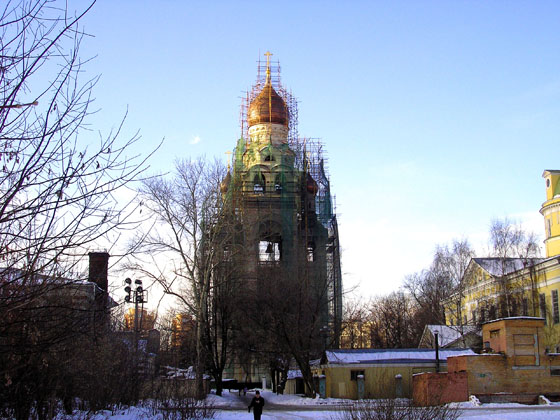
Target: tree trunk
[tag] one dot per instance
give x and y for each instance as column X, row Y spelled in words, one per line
column 219, row 384
column 310, row 390
column 198, row 369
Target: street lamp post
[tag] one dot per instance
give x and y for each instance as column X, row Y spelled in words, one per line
column 138, row 296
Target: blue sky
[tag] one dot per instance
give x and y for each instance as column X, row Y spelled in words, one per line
column 437, row 116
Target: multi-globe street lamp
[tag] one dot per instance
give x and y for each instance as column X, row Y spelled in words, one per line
column 138, row 296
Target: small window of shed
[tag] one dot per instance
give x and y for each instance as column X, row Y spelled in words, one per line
column 355, row 373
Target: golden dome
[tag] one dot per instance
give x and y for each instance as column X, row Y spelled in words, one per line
column 267, row 107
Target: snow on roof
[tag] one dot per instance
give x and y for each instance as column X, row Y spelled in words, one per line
column 365, row 356
column 448, row 334
column 538, row 318
column 294, row 373
column 501, row 266
column 175, row 372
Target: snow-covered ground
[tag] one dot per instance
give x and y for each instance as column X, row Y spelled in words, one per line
column 232, row 399
column 231, row 406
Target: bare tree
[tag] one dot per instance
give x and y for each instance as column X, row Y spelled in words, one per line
column 177, row 339
column 510, row 243
column 392, row 321
column 284, row 317
column 430, row 288
column 454, row 261
column 441, row 286
column 510, row 240
column 222, row 307
column 57, row 193
column 355, row 325
column 186, row 251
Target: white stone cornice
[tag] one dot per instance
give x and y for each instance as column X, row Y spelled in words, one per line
column 269, row 132
column 549, row 207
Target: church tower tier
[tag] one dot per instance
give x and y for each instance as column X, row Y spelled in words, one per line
column 551, row 212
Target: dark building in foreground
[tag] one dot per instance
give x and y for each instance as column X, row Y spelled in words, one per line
column 43, row 310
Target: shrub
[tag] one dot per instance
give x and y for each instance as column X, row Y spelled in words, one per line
column 396, row 409
column 174, row 400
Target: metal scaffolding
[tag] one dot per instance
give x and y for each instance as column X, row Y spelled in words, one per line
column 310, row 161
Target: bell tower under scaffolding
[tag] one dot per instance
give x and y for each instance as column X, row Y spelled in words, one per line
column 279, row 184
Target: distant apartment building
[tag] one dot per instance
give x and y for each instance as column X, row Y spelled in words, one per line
column 146, row 319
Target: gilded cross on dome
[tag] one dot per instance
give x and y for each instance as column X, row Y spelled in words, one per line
column 268, row 54
column 267, row 107
column 228, row 153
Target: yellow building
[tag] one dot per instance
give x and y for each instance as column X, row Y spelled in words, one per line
column 356, row 334
column 506, row 287
column 551, row 212
column 384, row 373
column 182, row 329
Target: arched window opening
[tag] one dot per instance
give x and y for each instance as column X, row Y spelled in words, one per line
column 259, row 184
column 270, row 250
column 310, row 252
column 278, row 182
column 269, row 158
column 270, row 243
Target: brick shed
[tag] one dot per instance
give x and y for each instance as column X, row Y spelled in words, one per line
column 515, row 367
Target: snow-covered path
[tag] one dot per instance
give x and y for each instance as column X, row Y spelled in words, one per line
column 277, row 415
column 285, row 415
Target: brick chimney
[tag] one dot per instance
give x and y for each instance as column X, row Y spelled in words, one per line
column 98, row 268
